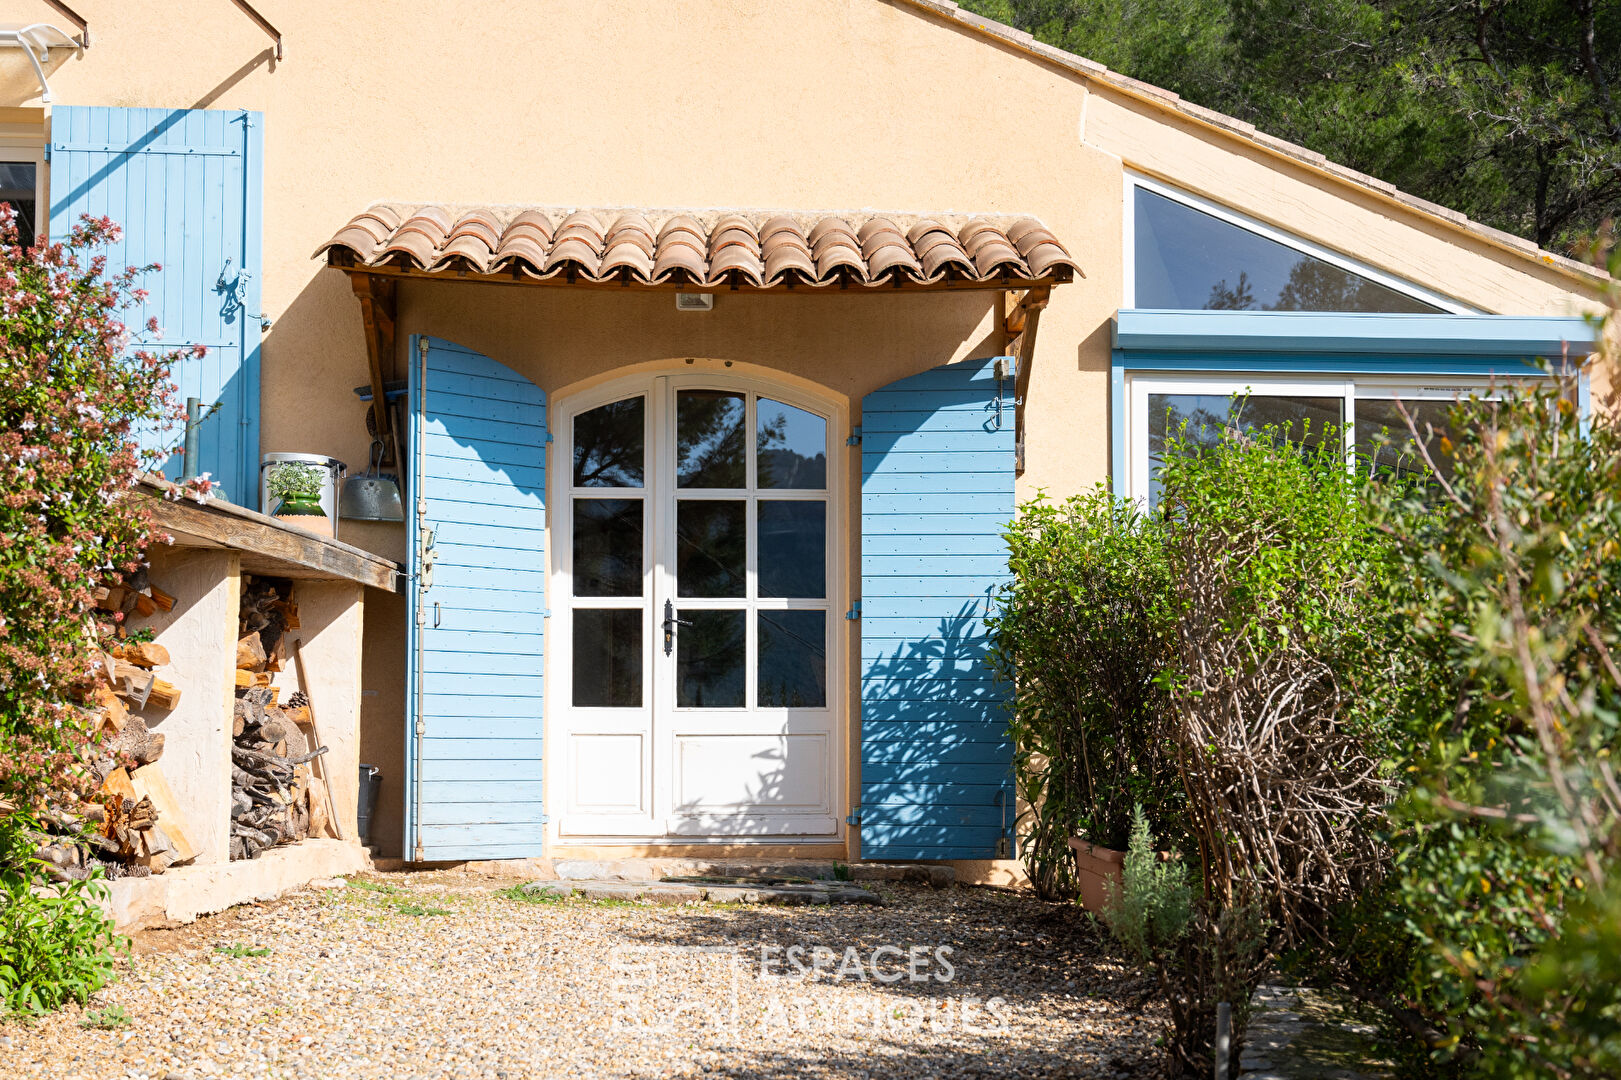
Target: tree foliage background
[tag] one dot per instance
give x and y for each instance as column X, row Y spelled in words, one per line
column 1505, row 110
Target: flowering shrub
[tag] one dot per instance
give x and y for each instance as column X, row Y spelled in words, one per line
column 72, row 396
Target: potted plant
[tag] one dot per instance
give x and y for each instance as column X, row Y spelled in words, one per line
column 297, row 488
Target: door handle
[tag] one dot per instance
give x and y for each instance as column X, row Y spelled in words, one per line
column 670, row 623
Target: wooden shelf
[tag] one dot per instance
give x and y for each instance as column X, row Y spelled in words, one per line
column 268, row 546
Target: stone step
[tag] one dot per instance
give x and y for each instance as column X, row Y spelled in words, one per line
column 694, row 890
column 734, row 871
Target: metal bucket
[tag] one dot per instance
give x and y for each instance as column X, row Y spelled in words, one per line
column 373, row 495
column 333, row 468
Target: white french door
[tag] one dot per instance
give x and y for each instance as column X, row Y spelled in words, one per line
column 696, row 565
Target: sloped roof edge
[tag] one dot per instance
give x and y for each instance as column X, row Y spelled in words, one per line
column 1171, row 102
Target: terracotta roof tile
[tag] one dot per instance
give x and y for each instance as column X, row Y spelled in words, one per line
column 743, row 249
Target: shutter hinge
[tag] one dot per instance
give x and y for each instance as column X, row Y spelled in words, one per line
column 854, row 817
column 548, row 437
column 854, row 613
column 421, row 856
column 545, row 819
column 47, row 153
column 855, row 436
column 546, row 613
column 422, row 616
column 421, row 728
column 422, row 347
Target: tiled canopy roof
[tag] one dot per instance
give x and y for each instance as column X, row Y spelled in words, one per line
column 705, row 248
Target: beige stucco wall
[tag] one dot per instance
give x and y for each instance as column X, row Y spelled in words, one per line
column 794, row 103
column 331, row 615
column 811, row 104
column 200, row 634
column 382, row 712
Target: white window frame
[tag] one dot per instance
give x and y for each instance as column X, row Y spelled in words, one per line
column 1133, row 181
column 24, row 143
column 1346, row 387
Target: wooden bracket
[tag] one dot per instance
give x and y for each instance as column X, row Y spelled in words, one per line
column 1019, row 325
column 376, row 296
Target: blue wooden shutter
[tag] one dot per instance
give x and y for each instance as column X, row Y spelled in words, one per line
column 186, row 187
column 936, row 493
column 477, row 607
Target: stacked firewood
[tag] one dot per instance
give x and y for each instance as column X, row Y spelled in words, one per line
column 276, row 798
column 136, row 827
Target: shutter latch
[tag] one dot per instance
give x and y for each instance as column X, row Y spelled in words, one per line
column 1006, row 367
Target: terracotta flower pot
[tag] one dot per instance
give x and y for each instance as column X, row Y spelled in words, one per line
column 306, row 514
column 1095, row 865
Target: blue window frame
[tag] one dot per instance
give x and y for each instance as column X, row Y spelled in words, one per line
column 1252, row 368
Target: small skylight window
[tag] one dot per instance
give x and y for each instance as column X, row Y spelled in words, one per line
column 1188, row 259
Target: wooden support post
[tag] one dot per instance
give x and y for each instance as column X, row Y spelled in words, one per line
column 1019, row 325
column 376, row 296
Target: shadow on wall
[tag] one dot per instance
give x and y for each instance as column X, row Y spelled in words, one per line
column 382, row 713
column 936, row 772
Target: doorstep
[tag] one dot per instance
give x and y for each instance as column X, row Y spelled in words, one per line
column 181, row 894
column 732, row 871
column 694, row 891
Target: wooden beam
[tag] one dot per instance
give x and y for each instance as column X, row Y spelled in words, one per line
column 270, row 546
column 1019, row 328
column 376, row 296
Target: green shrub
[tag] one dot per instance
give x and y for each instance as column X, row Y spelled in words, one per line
column 1200, row 954
column 1508, row 855
column 1280, row 681
column 56, row 945
column 1149, row 912
column 1082, row 633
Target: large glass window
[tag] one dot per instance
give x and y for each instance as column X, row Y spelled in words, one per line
column 1367, row 415
column 1201, row 418
column 1188, row 259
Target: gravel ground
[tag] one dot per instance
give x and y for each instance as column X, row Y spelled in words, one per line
column 440, row 974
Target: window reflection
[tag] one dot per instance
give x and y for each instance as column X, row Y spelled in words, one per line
column 711, row 547
column 1188, row 259
column 609, row 445
column 607, row 547
column 710, row 451
column 1304, row 420
column 1385, row 442
column 608, row 658
column 710, row 657
column 793, row 548
column 793, row 659
column 792, row 446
